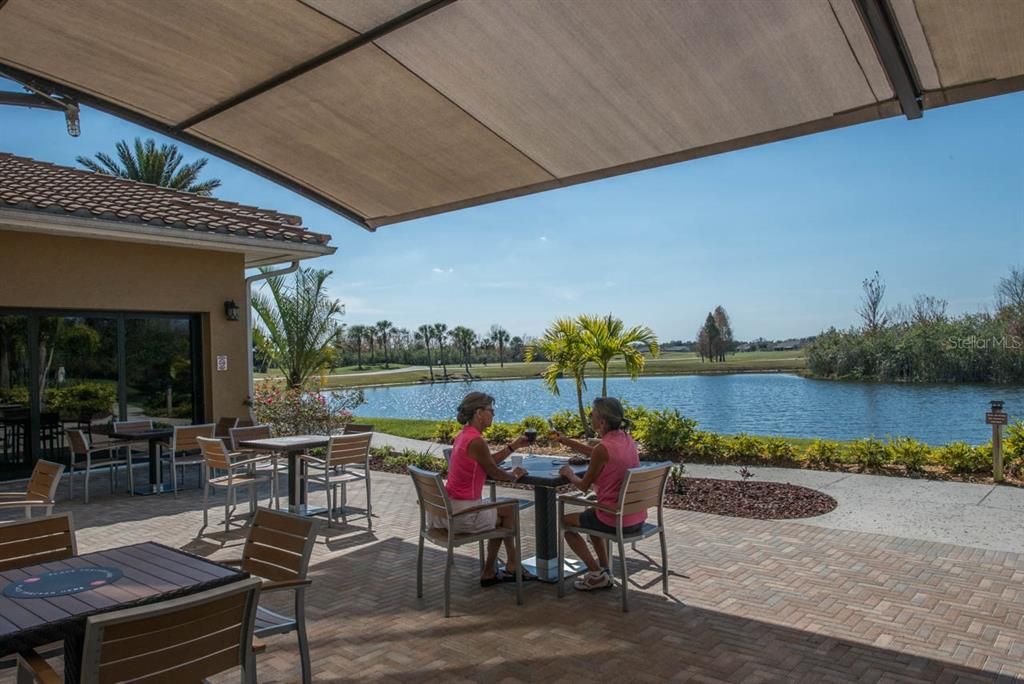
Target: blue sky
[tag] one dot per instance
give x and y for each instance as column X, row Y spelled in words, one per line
column 781, row 235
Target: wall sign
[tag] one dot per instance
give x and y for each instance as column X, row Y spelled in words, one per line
column 222, row 362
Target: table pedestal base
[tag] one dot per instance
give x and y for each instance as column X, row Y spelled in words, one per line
column 306, row 510
column 546, row 569
column 150, row 489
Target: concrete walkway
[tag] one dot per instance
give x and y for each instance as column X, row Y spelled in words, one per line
column 978, row 515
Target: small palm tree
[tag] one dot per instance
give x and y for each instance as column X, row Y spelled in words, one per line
column 424, row 333
column 148, row 164
column 384, row 330
column 500, row 338
column 297, row 324
column 440, row 334
column 605, row 337
column 464, row 338
column 357, row 333
column 563, row 345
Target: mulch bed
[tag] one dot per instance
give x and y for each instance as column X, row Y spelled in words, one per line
column 761, row 500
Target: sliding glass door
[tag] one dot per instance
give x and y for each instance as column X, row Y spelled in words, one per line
column 61, row 370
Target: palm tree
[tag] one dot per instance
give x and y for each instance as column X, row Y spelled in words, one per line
column 440, row 333
column 357, row 333
column 151, row 165
column 500, row 337
column 605, row 337
column 424, row 333
column 385, row 328
column 563, row 345
column 465, row 339
column 297, row 324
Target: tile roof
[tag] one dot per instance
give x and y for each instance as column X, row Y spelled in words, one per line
column 41, row 186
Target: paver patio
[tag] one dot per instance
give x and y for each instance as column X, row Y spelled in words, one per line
column 751, row 601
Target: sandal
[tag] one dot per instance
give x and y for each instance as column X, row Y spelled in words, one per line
column 499, row 577
column 527, row 576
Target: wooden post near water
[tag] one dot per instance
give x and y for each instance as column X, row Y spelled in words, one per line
column 997, row 419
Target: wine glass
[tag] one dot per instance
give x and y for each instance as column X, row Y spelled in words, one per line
column 531, row 437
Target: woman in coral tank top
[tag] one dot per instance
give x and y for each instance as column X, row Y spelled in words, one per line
column 471, row 463
column 609, row 462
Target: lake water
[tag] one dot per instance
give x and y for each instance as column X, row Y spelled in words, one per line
column 776, row 404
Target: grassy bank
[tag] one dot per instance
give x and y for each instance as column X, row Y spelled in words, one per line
column 424, row 429
column 669, row 363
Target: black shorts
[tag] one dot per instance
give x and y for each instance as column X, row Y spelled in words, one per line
column 590, row 521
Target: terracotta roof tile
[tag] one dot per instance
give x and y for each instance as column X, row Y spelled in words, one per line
column 34, row 185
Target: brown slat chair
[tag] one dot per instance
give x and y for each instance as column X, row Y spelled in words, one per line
column 642, row 488
column 184, row 450
column 433, row 500
column 243, row 433
column 278, row 549
column 224, row 425
column 237, row 472
column 42, row 487
column 142, row 445
column 185, row 639
column 29, row 542
column 347, row 460
column 82, row 458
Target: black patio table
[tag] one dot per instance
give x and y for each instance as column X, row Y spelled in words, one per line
column 150, row 572
column 542, row 473
column 293, row 446
column 155, row 437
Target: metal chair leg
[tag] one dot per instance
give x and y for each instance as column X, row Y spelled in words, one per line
column 88, row 471
column 448, row 581
column 419, row 568
column 206, row 505
column 625, row 577
column 300, row 627
column 519, row 565
column 664, row 562
column 227, row 505
column 561, row 549
column 369, row 506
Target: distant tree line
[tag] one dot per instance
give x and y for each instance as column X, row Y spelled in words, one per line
column 921, row 342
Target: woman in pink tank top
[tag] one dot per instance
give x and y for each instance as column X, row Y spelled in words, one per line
column 469, row 466
column 609, row 462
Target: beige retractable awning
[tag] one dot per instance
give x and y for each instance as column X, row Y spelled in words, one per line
column 387, row 110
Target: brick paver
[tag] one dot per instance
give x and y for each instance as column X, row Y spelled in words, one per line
column 751, row 601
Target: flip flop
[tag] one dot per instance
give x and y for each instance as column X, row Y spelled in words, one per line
column 499, row 577
column 511, row 576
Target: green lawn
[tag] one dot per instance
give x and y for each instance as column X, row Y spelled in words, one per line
column 671, row 363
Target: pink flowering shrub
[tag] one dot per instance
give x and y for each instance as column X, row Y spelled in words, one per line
column 295, row 411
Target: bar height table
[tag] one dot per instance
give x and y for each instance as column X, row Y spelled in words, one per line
column 542, row 473
column 292, row 446
column 154, row 437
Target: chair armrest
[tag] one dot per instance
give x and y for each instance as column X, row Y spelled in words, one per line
column 589, row 503
column 40, row 669
column 313, row 459
column 284, row 584
column 497, row 503
column 250, row 461
column 233, row 561
column 21, row 503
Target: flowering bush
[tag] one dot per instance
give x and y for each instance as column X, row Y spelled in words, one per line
column 296, row 411
column 446, row 430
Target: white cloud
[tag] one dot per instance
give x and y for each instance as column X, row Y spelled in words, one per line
column 543, row 238
column 437, row 269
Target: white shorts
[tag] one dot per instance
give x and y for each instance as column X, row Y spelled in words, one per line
column 471, row 523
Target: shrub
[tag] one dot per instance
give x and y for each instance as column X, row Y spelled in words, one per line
column 707, row 446
column 14, row 395
column 84, row 399
column 869, row 453
column 538, row 423
column 779, row 451
column 1013, row 448
column 744, row 447
column 909, row 453
column 501, row 433
column 411, row 457
column 664, row 431
column 567, row 423
column 634, row 414
column 677, row 476
column 446, row 430
column 962, row 458
column 823, row 453
column 296, row 411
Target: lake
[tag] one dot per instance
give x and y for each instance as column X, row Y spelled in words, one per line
column 776, row 404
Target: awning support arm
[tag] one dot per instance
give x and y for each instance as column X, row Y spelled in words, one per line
column 884, row 33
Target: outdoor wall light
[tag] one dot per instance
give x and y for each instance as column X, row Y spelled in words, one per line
column 231, row 310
